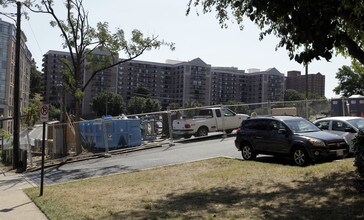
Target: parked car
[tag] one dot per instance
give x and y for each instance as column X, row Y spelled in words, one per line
column 287, row 136
column 345, row 126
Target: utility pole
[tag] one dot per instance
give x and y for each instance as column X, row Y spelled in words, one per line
column 16, row 93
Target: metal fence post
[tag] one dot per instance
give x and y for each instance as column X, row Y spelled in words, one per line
column 170, row 128
column 224, row 135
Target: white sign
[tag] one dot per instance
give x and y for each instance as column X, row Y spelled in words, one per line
column 44, row 113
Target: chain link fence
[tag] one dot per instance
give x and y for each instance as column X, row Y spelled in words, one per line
column 112, row 135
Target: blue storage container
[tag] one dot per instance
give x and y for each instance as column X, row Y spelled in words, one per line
column 113, row 133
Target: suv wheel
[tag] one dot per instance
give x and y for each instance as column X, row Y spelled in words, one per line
column 300, row 156
column 247, row 152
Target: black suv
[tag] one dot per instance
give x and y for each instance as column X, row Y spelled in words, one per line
column 290, row 136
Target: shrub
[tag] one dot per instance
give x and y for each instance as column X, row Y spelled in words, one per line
column 359, row 154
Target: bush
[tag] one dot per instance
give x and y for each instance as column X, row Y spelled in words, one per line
column 359, row 154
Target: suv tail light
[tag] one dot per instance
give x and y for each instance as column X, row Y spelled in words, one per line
column 238, row 130
column 187, row 126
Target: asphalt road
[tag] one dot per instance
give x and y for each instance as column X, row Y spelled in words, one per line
column 181, row 152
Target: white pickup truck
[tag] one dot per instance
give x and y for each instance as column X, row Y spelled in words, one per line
column 208, row 120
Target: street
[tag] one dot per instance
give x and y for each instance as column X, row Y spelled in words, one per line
column 181, row 152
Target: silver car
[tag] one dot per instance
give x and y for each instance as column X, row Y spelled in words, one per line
column 345, row 126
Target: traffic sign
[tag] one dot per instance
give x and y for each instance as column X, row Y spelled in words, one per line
column 44, row 113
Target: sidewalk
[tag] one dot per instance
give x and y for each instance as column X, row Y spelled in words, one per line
column 14, row 203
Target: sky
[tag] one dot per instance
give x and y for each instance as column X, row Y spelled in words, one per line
column 194, row 36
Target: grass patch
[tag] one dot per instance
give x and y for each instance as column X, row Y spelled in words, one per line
column 211, row 189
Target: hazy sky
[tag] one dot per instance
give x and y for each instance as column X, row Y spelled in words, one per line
column 194, row 36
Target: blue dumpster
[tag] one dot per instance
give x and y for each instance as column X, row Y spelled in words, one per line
column 115, row 133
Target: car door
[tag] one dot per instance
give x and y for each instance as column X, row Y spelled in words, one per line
column 343, row 129
column 256, row 132
column 278, row 141
column 323, row 125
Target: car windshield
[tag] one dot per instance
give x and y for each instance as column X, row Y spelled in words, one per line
column 301, row 126
column 358, row 123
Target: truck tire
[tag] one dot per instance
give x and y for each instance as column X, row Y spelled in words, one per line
column 201, row 132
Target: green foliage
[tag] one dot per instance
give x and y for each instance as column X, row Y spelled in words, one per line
column 6, row 135
column 141, row 91
column 36, row 81
column 173, row 106
column 293, row 95
column 307, row 29
column 359, row 153
column 32, row 111
column 138, row 105
column 152, row 105
column 238, row 107
column 192, row 112
column 54, row 113
column 108, row 103
column 351, row 80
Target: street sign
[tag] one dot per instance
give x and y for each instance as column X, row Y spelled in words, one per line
column 44, row 113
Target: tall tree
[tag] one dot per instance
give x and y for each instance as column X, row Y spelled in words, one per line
column 351, row 82
column 307, row 29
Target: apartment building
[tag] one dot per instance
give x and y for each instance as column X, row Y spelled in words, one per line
column 255, row 86
column 170, row 82
column 296, row 81
column 174, row 82
column 55, row 93
column 7, row 74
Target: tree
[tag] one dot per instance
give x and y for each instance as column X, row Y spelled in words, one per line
column 307, row 29
column 351, row 82
column 293, row 95
column 141, row 91
column 136, row 105
column 151, row 105
column 173, row 106
column 237, row 107
column 108, row 103
column 36, row 81
column 54, row 112
column 32, row 111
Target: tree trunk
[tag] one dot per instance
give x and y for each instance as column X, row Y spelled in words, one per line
column 77, row 127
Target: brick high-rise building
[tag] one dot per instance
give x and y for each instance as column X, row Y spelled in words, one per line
column 296, row 81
